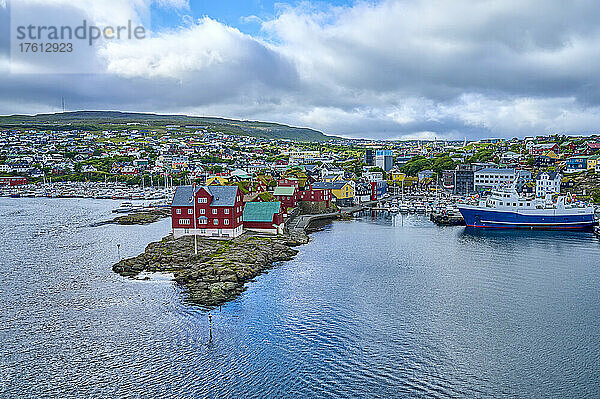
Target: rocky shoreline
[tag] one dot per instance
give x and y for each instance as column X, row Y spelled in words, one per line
column 222, row 267
column 138, row 218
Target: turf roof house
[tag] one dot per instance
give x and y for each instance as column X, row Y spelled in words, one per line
column 218, row 211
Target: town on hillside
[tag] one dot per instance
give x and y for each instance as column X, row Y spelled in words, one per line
column 259, row 182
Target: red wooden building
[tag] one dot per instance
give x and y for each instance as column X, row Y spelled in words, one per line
column 539, row 149
column 13, row 181
column 289, row 182
column 316, row 195
column 288, row 196
column 264, row 217
column 210, row 211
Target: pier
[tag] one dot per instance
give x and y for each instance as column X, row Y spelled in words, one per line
column 442, row 215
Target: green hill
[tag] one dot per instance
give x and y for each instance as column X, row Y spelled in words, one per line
column 113, row 120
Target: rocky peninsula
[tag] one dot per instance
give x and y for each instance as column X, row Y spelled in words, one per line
column 144, row 217
column 221, row 268
column 139, row 218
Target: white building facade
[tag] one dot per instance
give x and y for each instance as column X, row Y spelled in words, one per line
column 547, row 183
column 491, row 178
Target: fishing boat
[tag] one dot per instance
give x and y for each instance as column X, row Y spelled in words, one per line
column 505, row 209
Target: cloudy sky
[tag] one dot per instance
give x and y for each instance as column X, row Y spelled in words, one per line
column 382, row 69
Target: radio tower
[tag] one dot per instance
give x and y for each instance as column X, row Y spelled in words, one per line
column 62, row 101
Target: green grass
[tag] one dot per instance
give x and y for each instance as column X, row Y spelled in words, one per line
column 98, row 121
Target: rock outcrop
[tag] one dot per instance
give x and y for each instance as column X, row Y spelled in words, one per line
column 146, row 217
column 221, row 268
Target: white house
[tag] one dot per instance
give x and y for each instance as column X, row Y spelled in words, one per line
column 547, row 183
column 373, row 175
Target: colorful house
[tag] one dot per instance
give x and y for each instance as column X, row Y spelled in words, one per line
column 315, row 199
column 547, row 183
column 332, row 178
column 539, row 149
column 589, row 148
column 288, row 196
column 577, row 163
column 216, row 181
column 209, row 211
column 288, row 182
column 264, row 217
column 342, row 191
column 13, row 181
column 396, row 175
column 547, row 159
column 592, row 161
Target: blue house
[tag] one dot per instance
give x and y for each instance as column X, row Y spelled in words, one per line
column 577, row 163
column 381, row 188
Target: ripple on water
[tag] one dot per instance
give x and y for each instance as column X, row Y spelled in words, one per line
column 378, row 307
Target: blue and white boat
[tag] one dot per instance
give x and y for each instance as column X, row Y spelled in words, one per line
column 505, row 209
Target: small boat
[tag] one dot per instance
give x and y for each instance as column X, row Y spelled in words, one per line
column 127, row 207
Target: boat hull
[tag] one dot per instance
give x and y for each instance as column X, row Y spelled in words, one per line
column 505, row 219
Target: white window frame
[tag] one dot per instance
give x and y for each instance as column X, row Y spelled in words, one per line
column 178, row 211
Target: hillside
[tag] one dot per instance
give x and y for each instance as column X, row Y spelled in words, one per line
column 107, row 120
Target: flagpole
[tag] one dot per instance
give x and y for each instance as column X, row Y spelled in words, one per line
column 195, row 228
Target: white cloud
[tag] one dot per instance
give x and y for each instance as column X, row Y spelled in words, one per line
column 198, row 48
column 389, row 69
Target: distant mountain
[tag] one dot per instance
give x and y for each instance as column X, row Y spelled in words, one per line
column 106, row 120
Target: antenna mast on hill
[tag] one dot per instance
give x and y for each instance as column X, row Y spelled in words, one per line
column 62, row 103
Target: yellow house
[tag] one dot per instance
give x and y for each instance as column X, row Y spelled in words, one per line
column 550, row 154
column 342, row 191
column 332, row 178
column 216, row 181
column 592, row 161
column 396, row 175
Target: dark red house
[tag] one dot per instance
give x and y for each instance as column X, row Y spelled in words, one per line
column 539, row 149
column 13, row 181
column 590, row 148
column 288, row 196
column 211, row 211
column 316, row 195
column 264, row 217
column 288, row 182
